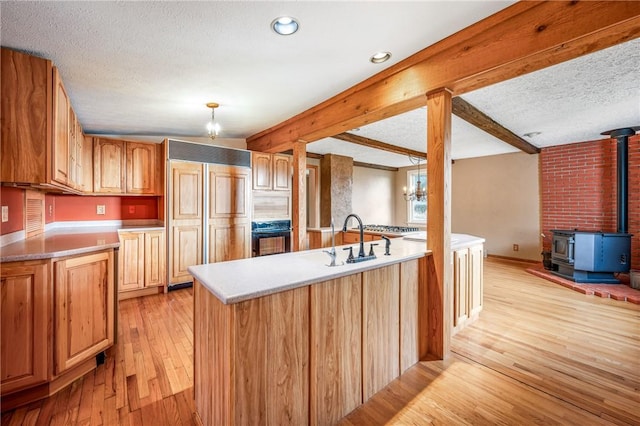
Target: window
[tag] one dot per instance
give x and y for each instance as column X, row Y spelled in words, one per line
column 417, row 210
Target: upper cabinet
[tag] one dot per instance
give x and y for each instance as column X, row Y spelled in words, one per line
column 122, row 167
column 141, row 167
column 108, row 166
column 39, row 144
column 271, row 171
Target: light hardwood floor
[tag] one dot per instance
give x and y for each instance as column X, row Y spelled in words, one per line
column 539, row 354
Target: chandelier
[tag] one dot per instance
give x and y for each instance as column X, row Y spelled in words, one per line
column 419, row 193
column 213, row 128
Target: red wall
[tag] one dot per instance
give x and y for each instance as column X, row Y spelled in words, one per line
column 14, row 199
column 578, row 189
column 73, row 208
column 65, row 208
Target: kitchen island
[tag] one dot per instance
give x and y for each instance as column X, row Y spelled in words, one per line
column 286, row 339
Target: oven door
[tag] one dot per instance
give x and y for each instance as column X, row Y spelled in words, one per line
column 266, row 243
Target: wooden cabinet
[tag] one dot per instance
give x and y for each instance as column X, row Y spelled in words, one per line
column 351, row 237
column 185, row 219
column 26, row 308
column 271, row 171
column 229, row 223
column 476, row 281
column 131, row 261
column 108, row 166
column 84, row 313
column 216, row 225
column 122, row 167
column 38, row 124
column 61, row 131
column 141, row 260
column 141, row 168
column 467, row 285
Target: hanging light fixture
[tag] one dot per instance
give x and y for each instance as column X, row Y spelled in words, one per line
column 213, row 128
column 419, row 193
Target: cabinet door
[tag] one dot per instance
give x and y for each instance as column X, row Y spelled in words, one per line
column 84, row 308
column 61, row 131
column 460, row 285
column 141, row 168
column 25, row 305
column 185, row 219
column 281, row 172
column 261, row 167
column 476, row 266
column 131, row 258
column 228, row 221
column 154, row 259
column 108, row 170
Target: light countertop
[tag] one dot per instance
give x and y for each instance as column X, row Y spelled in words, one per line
column 60, row 242
column 246, row 279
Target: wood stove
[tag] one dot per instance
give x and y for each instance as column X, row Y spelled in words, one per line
column 590, row 257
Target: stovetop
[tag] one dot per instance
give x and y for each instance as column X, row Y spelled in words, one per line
column 391, row 229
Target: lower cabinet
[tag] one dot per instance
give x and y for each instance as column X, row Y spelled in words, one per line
column 56, row 316
column 467, row 285
column 25, row 303
column 84, row 314
column 141, row 260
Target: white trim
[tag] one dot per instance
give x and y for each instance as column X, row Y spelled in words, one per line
column 11, row 238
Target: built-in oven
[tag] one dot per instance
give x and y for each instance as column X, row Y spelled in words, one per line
column 270, row 237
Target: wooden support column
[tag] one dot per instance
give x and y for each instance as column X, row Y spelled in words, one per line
column 299, row 197
column 440, row 266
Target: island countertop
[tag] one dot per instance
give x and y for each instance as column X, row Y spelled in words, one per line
column 238, row 280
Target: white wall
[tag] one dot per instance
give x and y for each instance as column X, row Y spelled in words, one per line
column 373, row 196
column 497, row 197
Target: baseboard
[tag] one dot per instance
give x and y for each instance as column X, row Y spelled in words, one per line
column 513, row 259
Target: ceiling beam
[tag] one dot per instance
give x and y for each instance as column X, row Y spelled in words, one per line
column 524, row 37
column 372, row 143
column 473, row 115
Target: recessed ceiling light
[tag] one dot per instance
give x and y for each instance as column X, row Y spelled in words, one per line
column 531, row 134
column 285, row 25
column 380, row 57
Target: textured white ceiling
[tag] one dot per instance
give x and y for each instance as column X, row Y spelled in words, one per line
column 148, row 68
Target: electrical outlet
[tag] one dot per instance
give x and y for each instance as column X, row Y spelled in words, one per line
column 132, row 209
column 516, row 247
column 100, row 209
column 5, row 213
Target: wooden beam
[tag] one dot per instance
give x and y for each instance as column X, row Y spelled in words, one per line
column 439, row 264
column 375, row 166
column 473, row 115
column 519, row 39
column 372, row 143
column 299, row 197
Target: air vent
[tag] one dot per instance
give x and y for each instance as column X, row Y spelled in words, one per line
column 34, row 213
column 202, row 153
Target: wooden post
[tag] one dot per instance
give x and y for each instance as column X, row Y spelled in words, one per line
column 440, row 267
column 299, row 197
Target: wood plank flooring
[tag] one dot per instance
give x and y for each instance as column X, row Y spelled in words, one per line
column 539, row 354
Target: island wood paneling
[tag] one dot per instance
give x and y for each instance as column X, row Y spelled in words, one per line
column 409, row 276
column 380, row 328
column 252, row 359
column 336, row 349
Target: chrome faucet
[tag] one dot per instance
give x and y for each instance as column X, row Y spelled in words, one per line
column 361, row 255
column 332, row 253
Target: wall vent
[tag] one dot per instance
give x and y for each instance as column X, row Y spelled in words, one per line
column 34, row 213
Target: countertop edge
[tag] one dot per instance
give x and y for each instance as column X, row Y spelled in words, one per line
column 56, row 254
column 360, row 267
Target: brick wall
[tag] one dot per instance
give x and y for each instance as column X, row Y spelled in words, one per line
column 578, row 189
